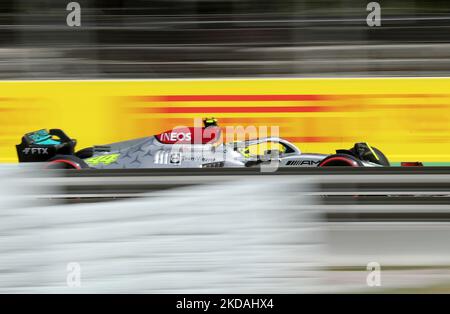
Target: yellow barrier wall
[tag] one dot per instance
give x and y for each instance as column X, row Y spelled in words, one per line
column 408, row 119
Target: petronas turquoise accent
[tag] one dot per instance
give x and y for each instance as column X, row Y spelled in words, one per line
column 48, row 141
column 43, row 138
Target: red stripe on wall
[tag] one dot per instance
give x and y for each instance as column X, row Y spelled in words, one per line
column 292, row 97
column 316, row 139
column 184, row 98
column 236, row 109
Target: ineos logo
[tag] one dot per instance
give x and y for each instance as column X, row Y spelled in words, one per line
column 175, row 136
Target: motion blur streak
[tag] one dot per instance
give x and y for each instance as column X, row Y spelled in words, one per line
column 266, row 234
column 408, row 119
column 199, row 38
column 312, row 68
column 225, row 238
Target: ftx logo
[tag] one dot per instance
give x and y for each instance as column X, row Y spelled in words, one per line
column 35, row 150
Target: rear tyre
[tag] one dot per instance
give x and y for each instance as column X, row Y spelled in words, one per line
column 340, row 160
column 66, row 162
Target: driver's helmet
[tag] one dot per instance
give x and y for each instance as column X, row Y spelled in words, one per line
column 207, row 122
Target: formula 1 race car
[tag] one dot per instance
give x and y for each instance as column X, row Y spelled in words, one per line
column 193, row 147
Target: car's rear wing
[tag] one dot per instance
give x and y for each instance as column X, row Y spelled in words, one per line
column 42, row 145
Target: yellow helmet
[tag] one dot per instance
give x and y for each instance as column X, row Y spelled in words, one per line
column 210, row 122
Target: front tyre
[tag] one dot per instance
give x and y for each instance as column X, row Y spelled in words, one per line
column 340, row 160
column 382, row 159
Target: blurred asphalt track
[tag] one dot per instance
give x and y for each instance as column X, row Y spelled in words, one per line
column 267, row 234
